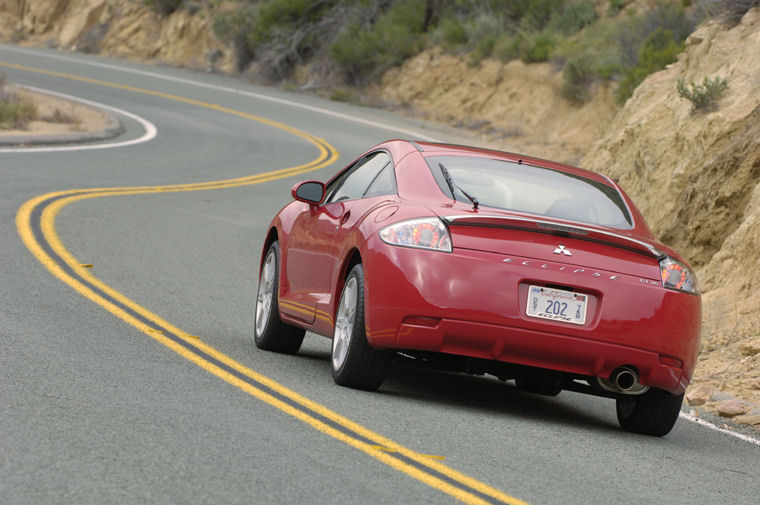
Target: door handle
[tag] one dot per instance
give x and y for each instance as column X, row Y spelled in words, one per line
column 345, row 217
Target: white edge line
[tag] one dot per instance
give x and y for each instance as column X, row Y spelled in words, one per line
column 711, row 426
column 150, row 129
column 227, row 89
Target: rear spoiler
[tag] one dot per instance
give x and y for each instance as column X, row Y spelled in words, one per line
column 552, row 228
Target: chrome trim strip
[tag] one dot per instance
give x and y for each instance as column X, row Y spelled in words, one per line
column 571, row 229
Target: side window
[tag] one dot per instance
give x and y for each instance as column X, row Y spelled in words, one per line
column 356, row 180
column 384, row 183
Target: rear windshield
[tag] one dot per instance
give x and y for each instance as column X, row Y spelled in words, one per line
column 531, row 189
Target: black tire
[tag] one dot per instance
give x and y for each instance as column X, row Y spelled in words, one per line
column 539, row 385
column 354, row 362
column 269, row 331
column 652, row 413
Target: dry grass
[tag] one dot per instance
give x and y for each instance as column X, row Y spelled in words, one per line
column 15, row 113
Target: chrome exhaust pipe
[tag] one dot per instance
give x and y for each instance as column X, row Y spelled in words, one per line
column 623, row 379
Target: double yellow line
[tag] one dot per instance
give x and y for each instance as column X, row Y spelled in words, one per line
column 35, row 223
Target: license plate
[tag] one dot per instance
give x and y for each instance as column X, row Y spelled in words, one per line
column 557, row 305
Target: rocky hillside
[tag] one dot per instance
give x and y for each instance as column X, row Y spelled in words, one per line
column 516, row 106
column 125, row 28
column 696, row 177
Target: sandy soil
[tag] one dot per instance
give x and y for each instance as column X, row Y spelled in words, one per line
column 57, row 116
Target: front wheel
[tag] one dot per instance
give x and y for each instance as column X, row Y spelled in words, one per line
column 355, row 363
column 270, row 333
column 652, row 413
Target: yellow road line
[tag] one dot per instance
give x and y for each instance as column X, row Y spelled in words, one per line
column 85, row 283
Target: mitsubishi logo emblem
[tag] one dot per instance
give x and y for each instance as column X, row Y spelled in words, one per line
column 561, row 250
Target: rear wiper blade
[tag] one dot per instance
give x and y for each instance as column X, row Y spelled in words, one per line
column 450, row 182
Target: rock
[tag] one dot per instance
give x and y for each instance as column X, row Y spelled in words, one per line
column 699, row 395
column 750, row 348
column 731, row 408
column 748, row 419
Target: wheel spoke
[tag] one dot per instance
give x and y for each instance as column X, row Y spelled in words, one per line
column 344, row 323
column 265, row 296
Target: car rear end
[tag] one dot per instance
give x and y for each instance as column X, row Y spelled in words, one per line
column 548, row 292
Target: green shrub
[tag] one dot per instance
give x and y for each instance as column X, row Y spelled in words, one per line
column 593, row 54
column 363, row 52
column 483, row 33
column 164, row 7
column 634, row 31
column 14, row 113
column 342, row 95
column 528, row 47
column 616, row 6
column 577, row 75
column 452, row 33
column 532, row 15
column 703, row 96
column 540, row 47
column 660, row 49
column 573, row 17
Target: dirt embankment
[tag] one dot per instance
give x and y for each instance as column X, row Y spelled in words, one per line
column 696, row 178
column 125, row 28
column 517, row 106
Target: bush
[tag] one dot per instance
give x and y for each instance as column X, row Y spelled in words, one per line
column 634, row 31
column 729, row 11
column 279, row 34
column 14, row 113
column 703, row 96
column 659, row 50
column 452, row 33
column 573, row 17
column 577, row 75
column 592, row 55
column 483, row 33
column 362, row 52
column 164, row 7
column 530, row 47
column 533, row 15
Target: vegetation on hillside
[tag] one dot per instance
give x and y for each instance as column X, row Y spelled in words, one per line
column 15, row 113
column 702, row 96
column 354, row 41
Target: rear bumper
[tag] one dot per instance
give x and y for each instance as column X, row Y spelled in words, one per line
column 475, row 305
column 542, row 350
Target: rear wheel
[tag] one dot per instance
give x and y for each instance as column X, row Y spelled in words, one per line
column 270, row 333
column 354, row 362
column 652, row 413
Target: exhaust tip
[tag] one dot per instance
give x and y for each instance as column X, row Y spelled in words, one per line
column 623, row 379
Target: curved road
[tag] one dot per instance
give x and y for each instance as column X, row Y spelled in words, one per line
column 128, row 373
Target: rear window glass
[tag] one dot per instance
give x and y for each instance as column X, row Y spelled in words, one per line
column 533, row 190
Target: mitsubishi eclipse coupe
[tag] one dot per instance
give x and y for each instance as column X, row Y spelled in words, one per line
column 481, row 261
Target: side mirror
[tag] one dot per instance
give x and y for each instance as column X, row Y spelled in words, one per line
column 309, row 192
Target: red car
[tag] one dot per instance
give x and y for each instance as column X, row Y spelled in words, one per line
column 483, row 262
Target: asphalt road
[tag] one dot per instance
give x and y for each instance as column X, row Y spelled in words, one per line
column 147, row 388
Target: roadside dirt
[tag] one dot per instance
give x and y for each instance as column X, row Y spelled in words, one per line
column 57, row 116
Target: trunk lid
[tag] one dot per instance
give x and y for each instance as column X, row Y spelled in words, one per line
column 546, row 240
